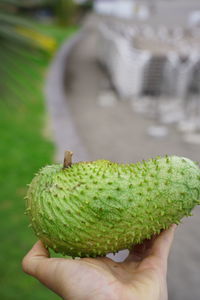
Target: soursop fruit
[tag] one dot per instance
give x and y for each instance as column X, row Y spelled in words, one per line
column 89, row 209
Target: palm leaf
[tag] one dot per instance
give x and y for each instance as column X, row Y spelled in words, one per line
column 25, row 3
column 20, row 45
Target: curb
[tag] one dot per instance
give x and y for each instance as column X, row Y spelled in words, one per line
column 64, row 130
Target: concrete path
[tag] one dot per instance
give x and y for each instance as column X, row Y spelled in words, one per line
column 115, row 132
column 62, row 124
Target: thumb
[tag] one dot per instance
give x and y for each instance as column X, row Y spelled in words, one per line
column 38, row 264
column 36, row 257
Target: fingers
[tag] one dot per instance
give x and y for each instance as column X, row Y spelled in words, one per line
column 140, row 251
column 162, row 244
column 157, row 248
column 137, row 253
column 157, row 255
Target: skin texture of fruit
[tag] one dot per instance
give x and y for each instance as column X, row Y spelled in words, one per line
column 92, row 208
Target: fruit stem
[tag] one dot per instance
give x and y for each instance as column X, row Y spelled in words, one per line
column 67, row 159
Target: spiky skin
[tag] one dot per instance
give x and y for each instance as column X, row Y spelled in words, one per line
column 91, row 209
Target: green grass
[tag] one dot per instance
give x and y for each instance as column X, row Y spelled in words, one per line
column 24, row 148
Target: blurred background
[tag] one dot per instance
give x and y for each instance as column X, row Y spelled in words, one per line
column 112, row 79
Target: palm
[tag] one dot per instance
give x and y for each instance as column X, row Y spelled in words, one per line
column 141, row 276
column 102, row 276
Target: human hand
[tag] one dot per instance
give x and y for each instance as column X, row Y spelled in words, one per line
column 141, row 276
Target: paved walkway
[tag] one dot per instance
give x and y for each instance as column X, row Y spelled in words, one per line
column 113, row 131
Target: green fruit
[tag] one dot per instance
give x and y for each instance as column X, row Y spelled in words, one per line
column 93, row 208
